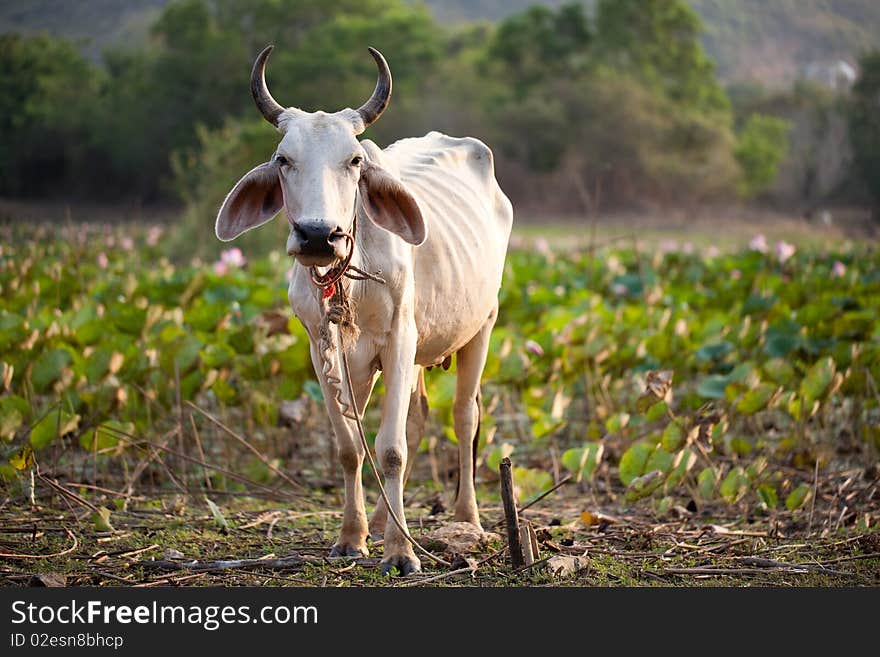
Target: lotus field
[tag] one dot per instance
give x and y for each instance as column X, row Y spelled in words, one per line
column 664, row 380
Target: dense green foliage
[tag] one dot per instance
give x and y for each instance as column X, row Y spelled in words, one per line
column 626, row 101
column 46, row 119
column 598, row 104
column 759, row 151
column 763, row 352
column 146, row 104
column 710, row 369
column 623, row 98
column 864, row 126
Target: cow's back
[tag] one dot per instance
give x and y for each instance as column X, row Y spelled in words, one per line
column 459, row 267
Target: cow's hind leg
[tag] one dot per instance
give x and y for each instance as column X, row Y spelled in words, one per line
column 416, row 417
column 466, row 410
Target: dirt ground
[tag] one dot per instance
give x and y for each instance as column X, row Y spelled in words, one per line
column 165, row 538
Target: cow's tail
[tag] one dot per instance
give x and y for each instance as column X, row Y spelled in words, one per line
column 476, row 445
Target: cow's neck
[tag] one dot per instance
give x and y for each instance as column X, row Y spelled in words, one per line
column 369, row 240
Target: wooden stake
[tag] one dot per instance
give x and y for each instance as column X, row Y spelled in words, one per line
column 511, row 519
column 526, row 543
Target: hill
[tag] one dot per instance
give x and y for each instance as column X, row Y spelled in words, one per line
column 93, row 24
column 775, row 41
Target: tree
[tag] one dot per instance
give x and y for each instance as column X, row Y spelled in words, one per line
column 331, row 69
column 864, row 126
column 539, row 43
column 629, row 103
column 658, row 41
column 198, row 73
column 46, row 95
column 760, row 148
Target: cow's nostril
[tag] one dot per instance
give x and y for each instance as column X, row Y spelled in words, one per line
column 302, row 235
column 335, row 234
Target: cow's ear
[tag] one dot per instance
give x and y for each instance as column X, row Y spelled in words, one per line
column 254, row 200
column 389, row 204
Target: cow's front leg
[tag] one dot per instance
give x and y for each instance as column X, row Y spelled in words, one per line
column 416, row 417
column 400, row 378
column 353, row 535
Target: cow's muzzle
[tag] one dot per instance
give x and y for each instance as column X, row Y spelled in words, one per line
column 315, row 243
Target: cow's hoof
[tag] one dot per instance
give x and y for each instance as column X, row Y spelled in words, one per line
column 348, row 550
column 405, row 565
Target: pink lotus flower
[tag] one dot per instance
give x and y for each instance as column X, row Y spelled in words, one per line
column 758, row 243
column 229, row 259
column 233, row 257
column 542, row 246
column 534, row 348
column 736, row 274
column 838, row 269
column 103, row 261
column 784, row 251
column 126, row 243
column 153, row 235
column 712, row 252
column 667, row 246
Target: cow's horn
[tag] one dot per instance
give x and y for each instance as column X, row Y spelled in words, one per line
column 373, row 108
column 267, row 105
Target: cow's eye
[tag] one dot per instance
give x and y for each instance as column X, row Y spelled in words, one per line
column 356, row 160
column 283, row 161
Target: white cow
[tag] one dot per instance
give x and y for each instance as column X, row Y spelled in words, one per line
column 431, row 217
